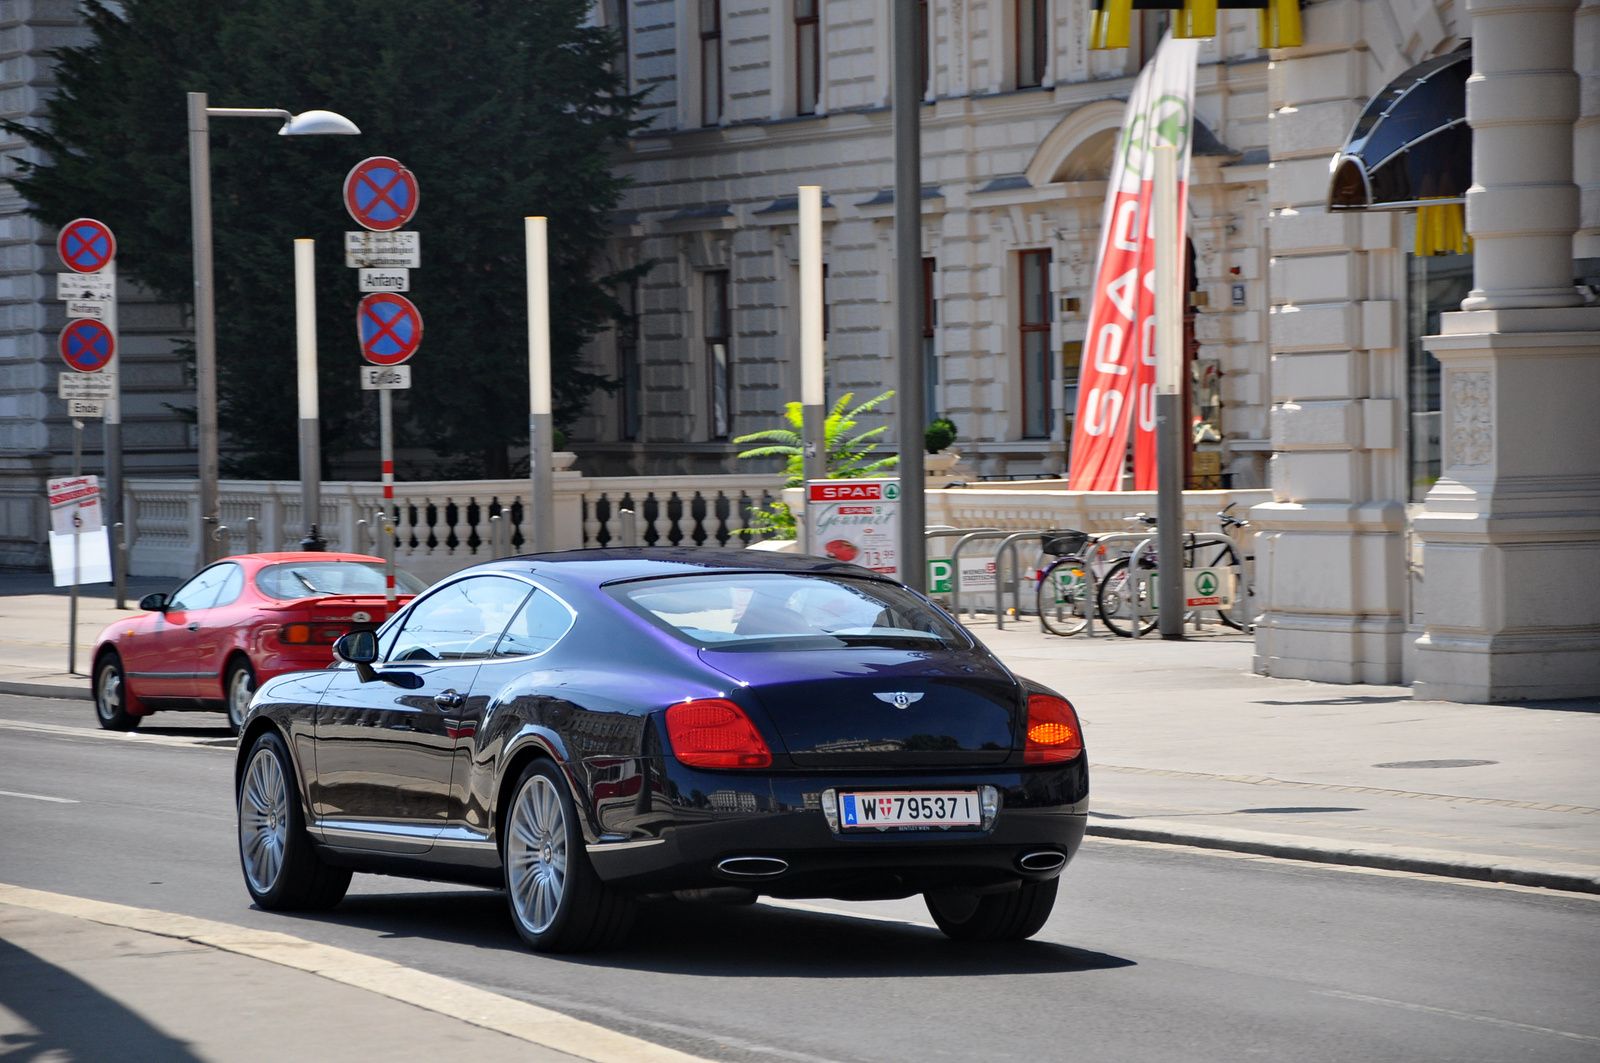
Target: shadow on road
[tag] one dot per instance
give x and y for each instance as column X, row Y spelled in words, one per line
column 69, row 1019
column 753, row 941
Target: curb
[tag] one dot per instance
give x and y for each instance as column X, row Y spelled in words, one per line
column 1468, row 869
column 45, row 690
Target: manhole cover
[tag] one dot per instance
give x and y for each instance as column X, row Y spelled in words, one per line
column 1436, row 764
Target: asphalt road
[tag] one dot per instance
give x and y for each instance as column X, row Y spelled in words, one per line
column 1152, row 954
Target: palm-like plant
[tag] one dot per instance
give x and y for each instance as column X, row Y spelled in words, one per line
column 847, row 454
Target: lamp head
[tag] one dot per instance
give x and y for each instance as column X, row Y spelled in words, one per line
column 308, row 123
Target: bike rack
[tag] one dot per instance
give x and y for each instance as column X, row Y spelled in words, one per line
column 955, row 563
column 1010, row 543
column 1145, row 540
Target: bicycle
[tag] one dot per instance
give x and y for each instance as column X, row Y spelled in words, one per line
column 1210, row 552
column 1065, row 593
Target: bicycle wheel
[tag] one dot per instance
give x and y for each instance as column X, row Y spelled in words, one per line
column 1223, row 555
column 1063, row 596
column 1115, row 608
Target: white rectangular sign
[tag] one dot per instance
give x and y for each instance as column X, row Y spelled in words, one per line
column 856, row 521
column 384, row 280
column 89, row 308
column 385, row 377
column 398, row 250
column 74, row 502
column 86, row 409
column 93, row 555
column 71, row 385
column 100, row 287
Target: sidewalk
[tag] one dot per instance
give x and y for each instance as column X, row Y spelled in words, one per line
column 33, row 631
column 1188, row 746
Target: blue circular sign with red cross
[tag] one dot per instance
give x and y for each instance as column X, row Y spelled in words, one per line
column 380, row 194
column 86, row 245
column 390, row 327
column 87, row 345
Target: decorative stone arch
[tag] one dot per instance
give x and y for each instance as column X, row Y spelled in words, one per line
column 1080, row 147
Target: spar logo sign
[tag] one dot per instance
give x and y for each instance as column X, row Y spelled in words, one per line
column 1165, row 124
column 847, row 491
column 1207, row 587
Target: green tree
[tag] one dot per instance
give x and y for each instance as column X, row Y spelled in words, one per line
column 502, row 108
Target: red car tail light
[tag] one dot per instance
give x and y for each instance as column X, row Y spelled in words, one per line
column 715, row 733
column 310, row 634
column 295, row 634
column 1053, row 732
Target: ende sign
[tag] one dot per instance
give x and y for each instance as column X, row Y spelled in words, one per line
column 857, row 521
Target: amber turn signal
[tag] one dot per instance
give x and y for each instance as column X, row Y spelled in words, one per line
column 1053, row 733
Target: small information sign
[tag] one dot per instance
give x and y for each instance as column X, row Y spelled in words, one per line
column 384, row 280
column 1203, row 587
column 92, row 309
column 397, row 250
column 856, row 521
column 83, row 386
column 74, row 504
column 77, row 287
column 86, row 409
column 385, row 377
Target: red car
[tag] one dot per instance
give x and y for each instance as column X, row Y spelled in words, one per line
column 233, row 626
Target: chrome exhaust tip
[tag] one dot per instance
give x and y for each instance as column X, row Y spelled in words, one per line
column 1044, row 860
column 753, row 866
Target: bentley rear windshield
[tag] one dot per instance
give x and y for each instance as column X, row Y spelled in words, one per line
column 773, row 610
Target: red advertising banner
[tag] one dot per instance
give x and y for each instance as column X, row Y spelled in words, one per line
column 1116, row 385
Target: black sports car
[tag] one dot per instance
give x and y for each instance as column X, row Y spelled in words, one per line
column 585, row 728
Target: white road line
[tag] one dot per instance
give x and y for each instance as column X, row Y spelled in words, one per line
column 40, row 797
column 456, row 1000
column 1507, row 1023
column 56, row 730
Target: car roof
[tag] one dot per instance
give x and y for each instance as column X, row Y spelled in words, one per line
column 301, row 555
column 609, row 565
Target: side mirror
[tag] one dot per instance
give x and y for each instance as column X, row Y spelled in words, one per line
column 154, row 603
column 359, row 648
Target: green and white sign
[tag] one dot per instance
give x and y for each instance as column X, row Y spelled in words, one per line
column 1207, row 587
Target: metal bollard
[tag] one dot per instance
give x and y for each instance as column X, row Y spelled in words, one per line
column 223, row 536
column 494, row 537
column 119, row 536
column 252, row 535
column 630, row 527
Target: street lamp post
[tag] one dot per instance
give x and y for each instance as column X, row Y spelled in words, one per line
column 205, row 308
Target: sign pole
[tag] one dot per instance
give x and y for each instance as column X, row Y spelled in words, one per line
column 112, row 430
column 305, row 324
column 205, row 319
column 541, row 474
column 910, row 404
column 1169, row 397
column 813, row 415
column 386, row 452
column 72, row 610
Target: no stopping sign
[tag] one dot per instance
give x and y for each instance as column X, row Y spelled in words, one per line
column 390, row 327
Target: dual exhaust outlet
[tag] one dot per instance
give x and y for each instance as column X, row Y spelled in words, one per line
column 771, row 867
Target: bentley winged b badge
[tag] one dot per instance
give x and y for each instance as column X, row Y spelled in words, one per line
column 900, row 699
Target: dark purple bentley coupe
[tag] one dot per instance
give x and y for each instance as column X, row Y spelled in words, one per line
column 587, row 728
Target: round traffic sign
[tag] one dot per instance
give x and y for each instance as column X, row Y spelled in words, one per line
column 390, row 326
column 86, row 245
column 380, row 194
column 87, row 345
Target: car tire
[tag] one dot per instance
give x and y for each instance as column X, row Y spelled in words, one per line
column 558, row 903
column 1012, row 916
column 281, row 867
column 111, row 695
column 238, row 686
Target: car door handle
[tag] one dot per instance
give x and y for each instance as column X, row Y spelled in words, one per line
column 195, row 626
column 449, row 700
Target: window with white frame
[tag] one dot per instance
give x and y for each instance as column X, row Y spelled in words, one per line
column 1035, row 329
column 1032, row 41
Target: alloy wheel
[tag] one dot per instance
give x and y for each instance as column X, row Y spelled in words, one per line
column 264, row 820
column 536, row 851
column 241, row 688
column 108, row 693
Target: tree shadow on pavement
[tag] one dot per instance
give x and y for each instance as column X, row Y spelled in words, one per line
column 755, row 941
column 69, row 1019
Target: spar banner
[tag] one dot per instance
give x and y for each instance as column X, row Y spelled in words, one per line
column 1117, row 381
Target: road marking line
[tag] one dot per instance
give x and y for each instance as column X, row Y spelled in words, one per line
column 61, row 731
column 456, row 1000
column 1353, row 869
column 40, row 797
column 1507, row 1023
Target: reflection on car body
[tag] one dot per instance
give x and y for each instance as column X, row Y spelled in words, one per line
column 586, row 728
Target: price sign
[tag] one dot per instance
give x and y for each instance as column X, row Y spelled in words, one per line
column 856, row 521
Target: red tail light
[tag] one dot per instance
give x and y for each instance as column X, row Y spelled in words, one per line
column 1053, row 733
column 310, row 634
column 714, row 733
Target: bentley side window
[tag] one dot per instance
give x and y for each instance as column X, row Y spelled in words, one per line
column 460, row 622
column 538, row 625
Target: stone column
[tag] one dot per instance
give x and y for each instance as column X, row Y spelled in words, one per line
column 1511, row 531
column 1522, row 100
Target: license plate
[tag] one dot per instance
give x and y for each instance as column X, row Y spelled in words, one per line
column 906, row 809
